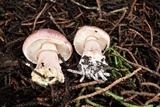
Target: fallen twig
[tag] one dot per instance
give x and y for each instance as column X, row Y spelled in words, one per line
column 108, row 87
column 34, row 24
column 153, row 48
column 99, row 8
column 125, row 49
column 53, row 20
column 87, row 84
column 151, row 84
column 86, row 7
column 155, row 98
column 137, row 65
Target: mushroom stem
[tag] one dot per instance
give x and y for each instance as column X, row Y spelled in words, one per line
column 48, row 59
column 48, row 69
column 93, row 49
column 48, row 46
column 92, row 63
column 89, row 42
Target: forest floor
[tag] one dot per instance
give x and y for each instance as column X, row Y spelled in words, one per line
column 134, row 29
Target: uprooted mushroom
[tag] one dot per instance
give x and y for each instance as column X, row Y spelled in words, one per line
column 42, row 48
column 89, row 42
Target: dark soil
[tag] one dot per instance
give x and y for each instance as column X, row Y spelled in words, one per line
column 133, row 25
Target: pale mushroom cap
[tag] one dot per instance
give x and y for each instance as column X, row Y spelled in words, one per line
column 90, row 31
column 34, row 42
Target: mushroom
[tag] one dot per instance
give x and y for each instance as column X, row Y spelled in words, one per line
column 42, row 48
column 89, row 42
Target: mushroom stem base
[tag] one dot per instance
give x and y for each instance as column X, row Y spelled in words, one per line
column 92, row 68
column 48, row 70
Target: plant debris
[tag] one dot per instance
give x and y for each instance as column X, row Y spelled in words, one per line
column 134, row 28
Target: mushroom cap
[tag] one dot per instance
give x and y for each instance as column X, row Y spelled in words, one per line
column 34, row 42
column 90, row 31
